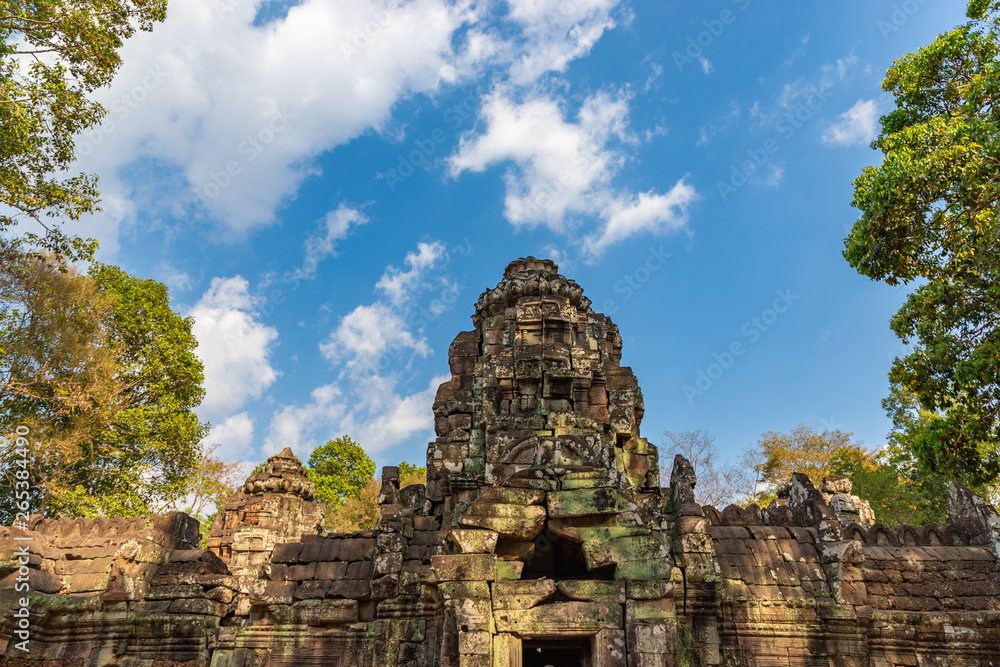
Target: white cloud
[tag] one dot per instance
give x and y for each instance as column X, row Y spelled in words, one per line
column 398, row 419
column 238, row 111
column 303, row 428
column 233, row 345
column 234, row 437
column 649, row 212
column 777, row 173
column 174, row 278
column 377, row 417
column 367, row 401
column 334, row 227
column 230, row 115
column 399, row 285
column 857, row 125
column 564, row 169
column 555, row 32
column 366, row 334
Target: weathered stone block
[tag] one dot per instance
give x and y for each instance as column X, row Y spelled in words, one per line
column 41, row 582
column 287, row 553
column 594, row 590
column 515, row 550
column 560, row 618
column 522, row 522
column 585, row 502
column 359, row 548
column 351, row 588
column 522, row 594
column 465, row 567
column 464, row 589
column 639, row 610
column 506, row 495
column 331, row 571
column 361, row 569
column 199, row 606
column 509, row 570
column 319, row 612
column 474, row 643
column 388, row 563
column 599, row 553
column 311, row 590
column 474, row 541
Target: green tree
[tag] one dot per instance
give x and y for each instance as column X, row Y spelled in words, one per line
column 892, row 482
column 359, row 512
column 929, row 213
column 410, row 473
column 340, row 469
column 801, row 450
column 103, row 374
column 53, row 53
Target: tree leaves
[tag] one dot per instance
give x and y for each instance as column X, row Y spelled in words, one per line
column 103, row 373
column 52, row 54
column 929, row 213
column 340, row 469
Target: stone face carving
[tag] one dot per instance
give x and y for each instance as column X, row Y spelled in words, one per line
column 542, row 536
column 536, row 385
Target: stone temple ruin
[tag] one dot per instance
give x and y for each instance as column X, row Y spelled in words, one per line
column 542, row 537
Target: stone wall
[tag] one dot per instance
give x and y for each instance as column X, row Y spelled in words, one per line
column 541, row 537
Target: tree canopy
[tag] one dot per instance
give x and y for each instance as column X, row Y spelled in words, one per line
column 800, row 450
column 360, row 511
column 103, row 374
column 340, row 469
column 929, row 215
column 53, row 53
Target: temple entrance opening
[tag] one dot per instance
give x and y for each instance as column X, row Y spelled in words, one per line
column 556, row 652
column 556, row 558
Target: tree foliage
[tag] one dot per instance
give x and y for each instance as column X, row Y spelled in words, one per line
column 929, row 214
column 207, row 489
column 800, row 450
column 53, row 53
column 892, row 482
column 341, row 470
column 103, row 374
column 360, row 511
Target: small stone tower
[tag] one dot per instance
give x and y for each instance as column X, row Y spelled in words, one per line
column 276, row 505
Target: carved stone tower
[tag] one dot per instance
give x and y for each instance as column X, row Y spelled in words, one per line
column 537, row 385
column 275, row 506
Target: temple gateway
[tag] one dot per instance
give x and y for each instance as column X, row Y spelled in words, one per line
column 542, row 537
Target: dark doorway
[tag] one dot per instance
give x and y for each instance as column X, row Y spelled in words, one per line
column 569, row 652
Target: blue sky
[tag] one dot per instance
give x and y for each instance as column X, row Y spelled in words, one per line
column 328, row 187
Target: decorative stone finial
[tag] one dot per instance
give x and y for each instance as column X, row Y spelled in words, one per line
column 282, row 474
